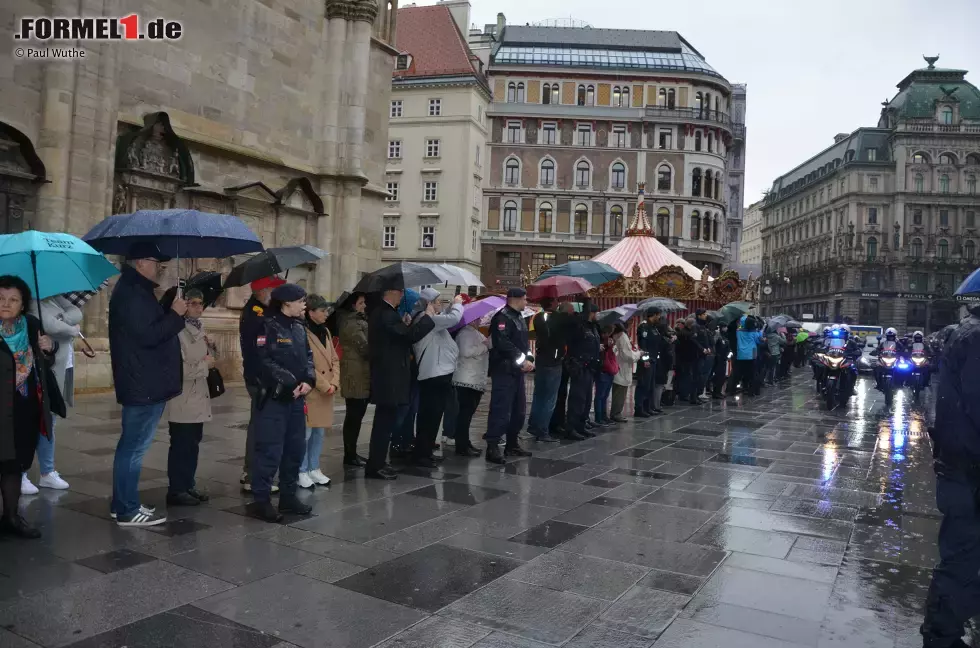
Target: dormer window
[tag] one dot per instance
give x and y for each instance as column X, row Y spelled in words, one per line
column 403, row 62
column 946, row 115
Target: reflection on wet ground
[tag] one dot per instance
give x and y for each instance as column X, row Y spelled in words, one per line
column 760, row 522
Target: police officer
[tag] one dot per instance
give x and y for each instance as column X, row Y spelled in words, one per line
column 648, row 338
column 250, row 327
column 285, row 376
column 954, row 596
column 509, row 361
column 583, row 361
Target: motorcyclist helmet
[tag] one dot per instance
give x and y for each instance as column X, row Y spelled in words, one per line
column 891, row 333
column 917, row 336
column 826, row 331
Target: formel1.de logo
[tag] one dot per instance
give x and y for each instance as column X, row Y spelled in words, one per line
column 124, row 28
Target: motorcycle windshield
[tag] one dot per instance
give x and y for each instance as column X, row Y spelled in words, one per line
column 888, row 345
column 835, row 343
column 918, row 347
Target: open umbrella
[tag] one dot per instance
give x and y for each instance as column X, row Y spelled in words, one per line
column 401, row 275
column 457, row 276
column 970, row 285
column 784, row 320
column 52, row 263
column 477, row 310
column 617, row 314
column 272, row 262
column 208, row 282
column 731, row 312
column 179, row 233
column 594, row 272
column 663, row 303
column 558, row 286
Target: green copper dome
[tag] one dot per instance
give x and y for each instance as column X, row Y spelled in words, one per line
column 924, row 89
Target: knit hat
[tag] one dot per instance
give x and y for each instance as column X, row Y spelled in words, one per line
column 267, row 282
column 288, row 293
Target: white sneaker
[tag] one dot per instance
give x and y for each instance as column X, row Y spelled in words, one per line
column 149, row 510
column 449, row 442
column 304, row 481
column 141, row 518
column 53, row 480
column 26, row 487
column 319, row 478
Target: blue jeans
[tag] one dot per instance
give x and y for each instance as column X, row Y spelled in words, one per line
column 314, row 446
column 139, row 423
column 403, row 436
column 546, row 382
column 45, row 451
column 603, row 385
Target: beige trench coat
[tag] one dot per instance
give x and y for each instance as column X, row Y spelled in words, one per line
column 193, row 404
column 319, row 403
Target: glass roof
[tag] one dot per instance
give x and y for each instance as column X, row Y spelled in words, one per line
column 602, row 58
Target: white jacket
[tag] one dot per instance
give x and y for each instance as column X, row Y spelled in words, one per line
column 474, row 359
column 436, row 353
column 627, row 358
column 62, row 321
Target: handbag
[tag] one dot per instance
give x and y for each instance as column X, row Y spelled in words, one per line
column 610, row 365
column 216, row 384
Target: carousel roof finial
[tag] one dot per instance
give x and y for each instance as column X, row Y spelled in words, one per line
column 640, row 225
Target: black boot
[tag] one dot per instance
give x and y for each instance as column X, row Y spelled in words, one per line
column 354, row 461
column 264, row 511
column 493, row 454
column 182, row 499
column 198, row 495
column 572, row 435
column 467, row 451
column 292, row 504
column 516, row 451
column 17, row 526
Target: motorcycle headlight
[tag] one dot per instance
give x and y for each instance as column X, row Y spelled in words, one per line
column 918, row 361
column 836, row 362
column 888, row 362
column 864, row 361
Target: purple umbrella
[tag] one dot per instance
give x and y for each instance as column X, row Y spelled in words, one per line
column 478, row 309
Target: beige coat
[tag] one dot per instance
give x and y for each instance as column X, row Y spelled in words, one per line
column 319, row 403
column 193, row 404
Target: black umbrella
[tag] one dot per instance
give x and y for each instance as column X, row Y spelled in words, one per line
column 271, row 262
column 209, row 283
column 401, row 275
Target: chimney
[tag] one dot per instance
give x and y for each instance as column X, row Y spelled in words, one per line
column 501, row 23
column 840, row 137
column 460, row 9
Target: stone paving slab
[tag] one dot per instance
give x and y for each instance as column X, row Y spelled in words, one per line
column 766, row 522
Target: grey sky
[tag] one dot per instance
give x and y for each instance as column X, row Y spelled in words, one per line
column 813, row 69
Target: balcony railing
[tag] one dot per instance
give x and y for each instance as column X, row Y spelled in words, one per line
column 927, row 127
column 738, row 130
column 693, row 114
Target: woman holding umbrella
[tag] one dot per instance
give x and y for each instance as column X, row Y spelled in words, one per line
column 25, row 408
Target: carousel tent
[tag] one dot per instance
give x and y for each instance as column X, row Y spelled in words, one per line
column 640, row 247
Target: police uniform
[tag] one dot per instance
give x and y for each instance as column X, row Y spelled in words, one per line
column 648, row 341
column 285, row 361
column 508, row 351
column 954, row 595
column 583, row 362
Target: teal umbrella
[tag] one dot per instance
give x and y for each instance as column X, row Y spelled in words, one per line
column 594, row 272
column 733, row 311
column 52, row 263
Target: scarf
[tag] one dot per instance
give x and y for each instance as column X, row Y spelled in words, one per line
column 319, row 330
column 199, row 325
column 15, row 336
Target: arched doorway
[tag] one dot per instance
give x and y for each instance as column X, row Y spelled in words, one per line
column 21, row 172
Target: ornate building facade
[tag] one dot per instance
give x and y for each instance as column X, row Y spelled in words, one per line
column 579, row 117
column 735, row 187
column 277, row 113
column 881, row 227
column 750, row 246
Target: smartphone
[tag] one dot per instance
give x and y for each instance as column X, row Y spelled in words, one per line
column 459, row 289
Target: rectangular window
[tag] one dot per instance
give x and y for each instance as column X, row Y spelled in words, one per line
column 429, row 237
column 584, row 135
column 432, row 148
column 870, row 280
column 474, row 239
column 430, row 191
column 509, row 263
column 868, row 312
column 916, row 316
column 944, row 218
column 392, row 192
column 872, row 215
column 513, row 132
column 541, row 261
column 945, row 282
column 401, row 62
column 479, row 159
column 872, row 154
column 919, row 281
column 389, row 238
column 619, row 137
column 549, row 134
column 666, row 137
column 396, row 108
column 578, row 257
column 394, row 149
column 917, row 217
column 873, row 182
column 435, row 107
column 971, row 219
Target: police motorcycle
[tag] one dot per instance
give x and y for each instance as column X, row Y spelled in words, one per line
column 918, row 378
column 888, row 364
column 819, row 368
column 835, row 364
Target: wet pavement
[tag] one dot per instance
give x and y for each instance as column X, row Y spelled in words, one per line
column 763, row 523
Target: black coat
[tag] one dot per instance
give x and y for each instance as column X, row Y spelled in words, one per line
column 956, row 435
column 249, row 329
column 509, row 343
column 551, row 338
column 284, row 356
column 584, row 345
column 146, row 362
column 50, row 400
column 689, row 351
column 390, row 351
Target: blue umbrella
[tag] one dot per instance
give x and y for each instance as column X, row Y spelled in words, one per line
column 52, row 263
column 186, row 233
column 970, row 285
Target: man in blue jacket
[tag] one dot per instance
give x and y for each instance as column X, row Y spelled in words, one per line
column 146, row 371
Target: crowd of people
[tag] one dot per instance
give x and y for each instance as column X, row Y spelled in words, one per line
column 405, row 353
